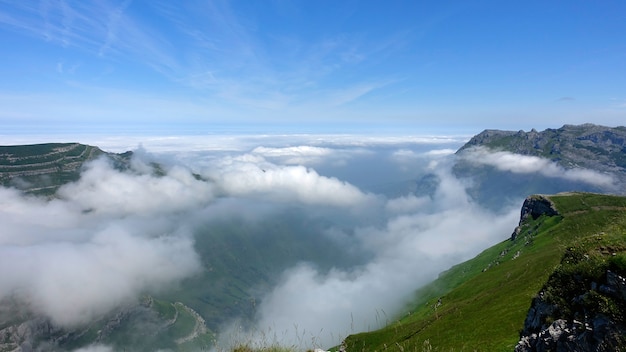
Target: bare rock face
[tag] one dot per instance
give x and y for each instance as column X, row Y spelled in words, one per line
column 534, row 206
column 25, row 336
column 537, row 205
column 561, row 336
column 591, row 331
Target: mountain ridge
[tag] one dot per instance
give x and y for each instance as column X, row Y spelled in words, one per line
column 509, row 165
column 42, row 168
column 588, row 145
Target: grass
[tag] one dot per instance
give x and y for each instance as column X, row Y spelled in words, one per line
column 484, row 301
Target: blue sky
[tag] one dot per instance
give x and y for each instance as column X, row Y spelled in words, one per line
column 165, row 67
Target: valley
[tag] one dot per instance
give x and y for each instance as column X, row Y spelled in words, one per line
column 247, row 242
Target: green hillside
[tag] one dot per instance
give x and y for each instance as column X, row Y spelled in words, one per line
column 42, row 168
column 482, row 304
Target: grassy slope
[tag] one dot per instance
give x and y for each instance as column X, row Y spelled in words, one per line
column 484, row 310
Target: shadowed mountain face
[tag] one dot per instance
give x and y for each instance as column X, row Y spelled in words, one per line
column 42, row 168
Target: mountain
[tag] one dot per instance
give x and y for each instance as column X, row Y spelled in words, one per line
column 243, row 258
column 42, row 168
column 509, row 165
column 557, row 284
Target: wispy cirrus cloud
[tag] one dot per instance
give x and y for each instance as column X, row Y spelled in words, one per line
column 104, row 29
column 211, row 49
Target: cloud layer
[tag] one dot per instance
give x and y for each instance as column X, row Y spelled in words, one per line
column 421, row 238
column 525, row 164
column 110, row 237
column 115, row 235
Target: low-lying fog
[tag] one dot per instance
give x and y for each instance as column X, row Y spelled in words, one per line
column 113, row 236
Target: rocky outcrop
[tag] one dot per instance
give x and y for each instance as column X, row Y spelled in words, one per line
column 537, row 205
column 583, row 328
column 534, row 206
column 562, row 336
column 27, row 335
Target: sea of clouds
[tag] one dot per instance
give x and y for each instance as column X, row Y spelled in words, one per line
column 114, row 235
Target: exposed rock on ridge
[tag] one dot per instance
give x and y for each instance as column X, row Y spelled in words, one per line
column 582, row 305
column 592, row 331
column 534, row 206
column 596, row 151
column 589, row 146
column 537, row 205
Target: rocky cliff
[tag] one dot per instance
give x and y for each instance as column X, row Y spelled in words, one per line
column 588, row 318
column 583, row 304
column 534, row 206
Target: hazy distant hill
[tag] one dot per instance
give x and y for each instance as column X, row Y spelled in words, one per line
column 597, row 149
column 559, row 284
column 43, row 168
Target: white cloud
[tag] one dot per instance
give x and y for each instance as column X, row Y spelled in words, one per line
column 73, row 283
column 410, row 159
column 300, row 155
column 103, row 189
column 252, row 176
column 525, row 164
column 438, row 152
column 406, row 204
column 114, row 235
column 95, row 348
column 410, row 250
column 110, row 237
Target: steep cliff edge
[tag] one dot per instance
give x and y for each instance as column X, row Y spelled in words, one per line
column 582, row 306
column 559, row 278
column 534, row 206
